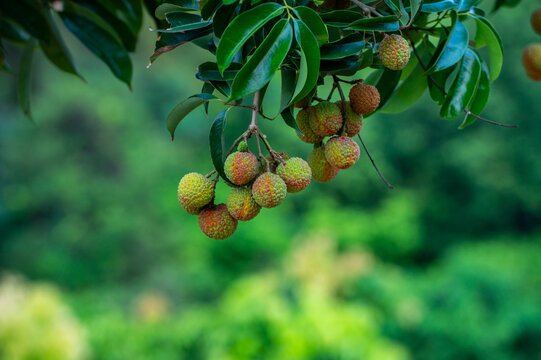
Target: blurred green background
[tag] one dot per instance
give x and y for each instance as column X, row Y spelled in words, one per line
column 98, row 260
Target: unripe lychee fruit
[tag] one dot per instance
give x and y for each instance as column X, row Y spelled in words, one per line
column 241, row 204
column 354, row 122
column 342, row 152
column 364, row 99
column 241, row 167
column 322, row 171
column 531, row 59
column 303, row 123
column 326, row 119
column 296, row 173
column 536, row 21
column 394, row 52
column 269, row 190
column 194, row 192
column 242, row 147
column 217, row 223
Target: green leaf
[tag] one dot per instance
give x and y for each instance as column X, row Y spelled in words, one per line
column 163, row 9
column 222, row 17
column 167, row 42
column 466, row 5
column 241, row 29
column 289, row 119
column 101, row 43
column 314, row 23
column 222, row 86
column 82, row 11
column 414, row 9
column 309, row 70
column 480, row 99
column 455, row 46
column 440, row 77
column 397, row 7
column 9, row 32
column 186, row 27
column 386, row 85
column 264, row 62
column 179, row 18
column 487, row 35
column 23, row 80
column 440, row 6
column 207, row 89
column 209, row 71
column 216, row 142
column 348, row 46
column 183, row 108
column 209, row 7
column 383, row 23
column 464, row 86
column 340, row 18
column 289, row 80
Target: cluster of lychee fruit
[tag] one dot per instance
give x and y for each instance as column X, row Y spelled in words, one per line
column 254, row 185
column 531, row 57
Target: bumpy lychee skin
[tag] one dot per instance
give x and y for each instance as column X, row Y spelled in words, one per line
column 536, row 21
column 342, row 152
column 269, row 190
column 364, row 99
column 194, row 192
column 322, row 171
column 327, row 119
column 394, row 52
column 355, row 121
column 217, row 223
column 296, row 173
column 303, row 123
column 241, row 205
column 531, row 59
column 241, row 167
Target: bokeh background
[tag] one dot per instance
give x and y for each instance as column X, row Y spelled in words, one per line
column 98, row 260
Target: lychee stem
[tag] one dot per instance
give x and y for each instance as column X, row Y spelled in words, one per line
column 343, row 107
column 374, row 164
column 210, row 173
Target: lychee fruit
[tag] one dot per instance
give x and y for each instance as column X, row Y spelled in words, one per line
column 303, row 123
column 342, row 152
column 326, row 119
column 536, row 21
column 531, row 60
column 364, row 99
column 322, row 171
column 241, row 167
column 354, row 122
column 241, row 204
column 194, row 192
column 296, row 173
column 269, row 190
column 217, row 223
column 394, row 52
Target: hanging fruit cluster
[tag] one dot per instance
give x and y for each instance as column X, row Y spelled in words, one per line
column 531, row 57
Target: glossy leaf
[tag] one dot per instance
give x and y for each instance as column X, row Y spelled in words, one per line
column 466, row 5
column 384, row 23
column 341, row 18
column 186, row 27
column 209, row 71
column 183, row 108
column 386, row 85
column 162, row 10
column 209, row 7
column 314, row 23
column 24, row 77
column 309, row 70
column 397, row 7
column 463, row 87
column 440, row 78
column 348, row 46
column 480, row 99
column 487, row 35
column 207, row 89
column 216, row 142
column 167, row 42
column 454, row 49
column 440, row 6
column 289, row 79
column 264, row 62
column 241, row 29
column 289, row 119
column 415, row 7
column 222, row 17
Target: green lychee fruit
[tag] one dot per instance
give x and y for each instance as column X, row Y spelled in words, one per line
column 241, row 167
column 394, row 52
column 536, row 21
column 242, row 147
column 296, row 173
column 326, row 119
column 531, row 60
column 354, row 122
column 241, row 204
column 303, row 123
column 194, row 192
column 364, row 99
column 217, row 223
column 322, row 171
column 269, row 190
column 342, row 152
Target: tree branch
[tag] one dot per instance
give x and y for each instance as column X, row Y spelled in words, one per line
column 374, row 164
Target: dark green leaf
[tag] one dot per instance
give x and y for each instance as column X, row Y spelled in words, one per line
column 384, row 23
column 397, row 7
column 289, row 119
column 12, row 33
column 464, row 86
column 209, row 71
column 167, row 42
column 207, row 89
column 414, row 9
column 209, row 7
column 289, row 79
column 487, row 35
column 242, row 28
column 222, row 86
column 466, row 5
column 264, row 62
column 480, row 99
column 314, row 23
column 348, row 46
column 222, row 17
column 179, row 18
column 386, row 85
column 183, row 108
column 162, row 10
column 186, row 27
column 440, row 78
column 340, row 18
column 345, row 67
column 454, row 49
column 216, row 142
column 309, row 69
column 23, row 80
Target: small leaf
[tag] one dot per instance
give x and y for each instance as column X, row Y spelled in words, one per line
column 209, row 71
column 209, row 8
column 23, row 80
column 440, row 6
column 348, row 46
column 287, row 115
column 340, row 18
column 241, row 29
column 480, row 99
column 314, row 23
column 289, row 79
column 463, row 87
column 454, row 49
column 264, row 62
column 486, row 34
column 384, row 23
column 183, row 108
column 309, row 69
column 216, row 142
